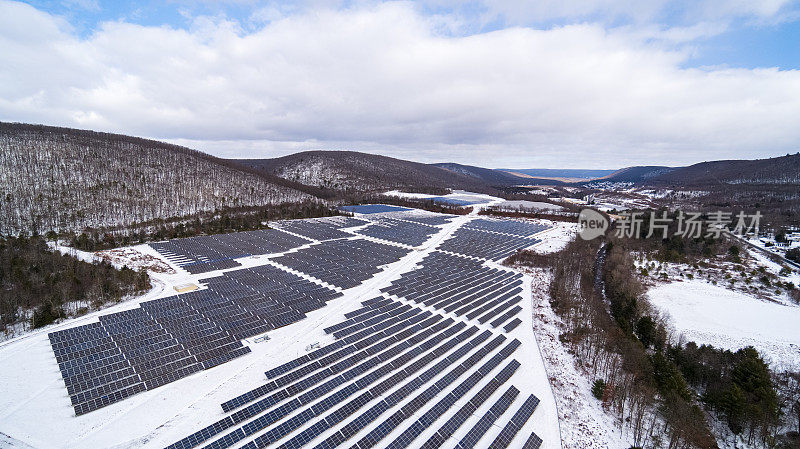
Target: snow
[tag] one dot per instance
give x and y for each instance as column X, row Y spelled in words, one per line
column 541, row 191
column 583, row 421
column 761, row 241
column 84, row 256
column 400, row 194
column 556, row 237
column 135, row 258
column 529, row 205
column 34, row 393
column 461, row 195
column 714, row 315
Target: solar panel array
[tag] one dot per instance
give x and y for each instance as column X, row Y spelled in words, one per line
column 393, row 372
column 396, row 375
column 216, row 252
column 506, row 436
column 343, row 263
column 477, row 432
column 485, row 244
column 457, row 202
column 320, row 228
column 373, row 208
column 169, row 338
column 400, row 231
column 431, row 220
column 462, row 286
column 512, row 227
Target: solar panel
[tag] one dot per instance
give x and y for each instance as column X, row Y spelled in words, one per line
column 513, row 426
column 455, row 284
column 392, row 368
column 480, row 428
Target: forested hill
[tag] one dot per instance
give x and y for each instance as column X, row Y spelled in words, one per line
column 65, row 179
column 353, row 171
column 776, row 171
column 489, row 176
column 783, row 170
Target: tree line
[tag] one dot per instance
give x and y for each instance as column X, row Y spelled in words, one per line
column 39, row 286
column 225, row 221
column 661, row 388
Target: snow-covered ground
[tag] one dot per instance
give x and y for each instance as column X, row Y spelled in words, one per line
column 461, row 195
column 729, row 319
column 583, row 422
column 535, row 205
column 35, row 409
column 556, row 237
column 768, row 243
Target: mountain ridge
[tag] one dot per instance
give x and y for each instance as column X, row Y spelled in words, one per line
column 356, row 171
column 68, row 179
column 65, row 179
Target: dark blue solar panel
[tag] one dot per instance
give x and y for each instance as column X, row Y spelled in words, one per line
column 372, row 208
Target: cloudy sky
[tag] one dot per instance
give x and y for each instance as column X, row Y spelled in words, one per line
column 497, row 83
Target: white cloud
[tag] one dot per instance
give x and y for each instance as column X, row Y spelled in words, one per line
column 381, row 78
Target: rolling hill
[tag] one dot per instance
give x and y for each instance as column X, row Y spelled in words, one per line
column 636, row 174
column 492, row 177
column 350, row 171
column 783, row 170
column 561, row 174
column 65, row 179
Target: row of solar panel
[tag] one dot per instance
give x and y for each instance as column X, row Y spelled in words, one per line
column 320, row 229
column 300, row 368
column 470, row 407
column 405, row 232
column 513, row 426
column 342, row 373
column 279, row 432
column 169, row 338
column 216, row 252
column 386, row 403
column 343, row 263
column 413, row 432
column 325, row 350
column 430, row 220
column 512, row 227
column 367, row 312
column 484, row 244
column 462, row 286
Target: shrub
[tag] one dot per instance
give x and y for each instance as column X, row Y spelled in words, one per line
column 598, row 389
column 45, row 314
column 646, row 331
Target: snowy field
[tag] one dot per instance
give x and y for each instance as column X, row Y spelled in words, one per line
column 34, row 397
column 556, row 237
column 728, row 319
column 478, row 199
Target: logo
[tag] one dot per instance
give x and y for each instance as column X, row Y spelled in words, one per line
column 591, row 224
